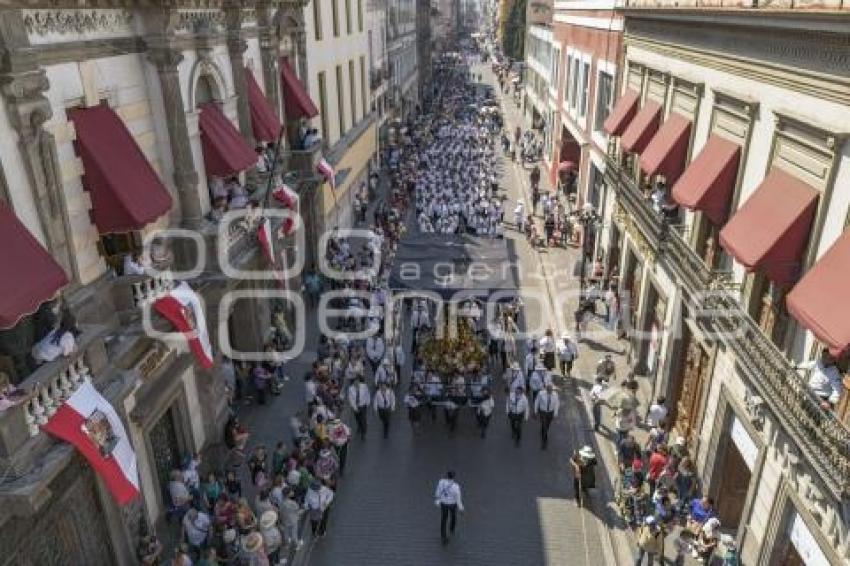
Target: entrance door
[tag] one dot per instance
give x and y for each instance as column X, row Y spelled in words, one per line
column 165, row 446
column 732, row 492
column 689, row 389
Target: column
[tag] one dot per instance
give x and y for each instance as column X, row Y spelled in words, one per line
column 236, row 46
column 166, row 59
column 269, row 43
column 24, row 83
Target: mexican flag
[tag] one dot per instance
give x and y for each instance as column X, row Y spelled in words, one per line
column 90, row 423
column 183, row 309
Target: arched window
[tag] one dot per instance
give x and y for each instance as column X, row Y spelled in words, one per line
column 205, row 90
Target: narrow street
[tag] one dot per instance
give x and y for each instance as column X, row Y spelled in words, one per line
column 519, row 500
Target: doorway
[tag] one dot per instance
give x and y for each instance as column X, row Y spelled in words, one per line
column 689, row 386
column 165, row 447
column 734, row 475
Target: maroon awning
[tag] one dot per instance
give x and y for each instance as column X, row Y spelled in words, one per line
column 125, row 191
column 623, row 112
column 667, row 152
column 770, row 231
column 31, row 275
column 642, row 128
column 225, row 150
column 817, row 301
column 295, row 97
column 709, row 180
column 264, row 121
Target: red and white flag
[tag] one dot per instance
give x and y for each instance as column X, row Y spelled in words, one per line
column 182, row 308
column 264, row 236
column 286, row 196
column 326, row 170
column 90, row 423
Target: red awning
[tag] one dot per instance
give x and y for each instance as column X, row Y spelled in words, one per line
column 709, row 180
column 125, row 191
column 817, row 300
column 667, row 152
column 296, row 100
column 264, row 121
column 769, row 232
column 225, row 150
column 623, row 112
column 642, row 128
column 31, row 277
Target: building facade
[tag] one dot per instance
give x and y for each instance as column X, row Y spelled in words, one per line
column 402, row 53
column 156, row 79
column 338, row 73
column 730, row 169
column 586, row 49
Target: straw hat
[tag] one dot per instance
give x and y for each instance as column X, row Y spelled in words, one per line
column 268, row 519
column 252, row 542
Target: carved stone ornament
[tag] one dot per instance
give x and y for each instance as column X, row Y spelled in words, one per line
column 43, row 22
column 26, row 85
column 200, row 20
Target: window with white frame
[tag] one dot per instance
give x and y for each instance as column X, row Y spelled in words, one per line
column 604, row 99
column 556, row 64
column 585, row 87
column 568, row 75
column 574, row 82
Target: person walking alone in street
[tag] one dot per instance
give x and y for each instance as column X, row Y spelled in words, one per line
column 517, row 410
column 484, row 411
column 546, row 407
column 567, row 354
column 359, row 399
column 447, row 498
column 385, row 406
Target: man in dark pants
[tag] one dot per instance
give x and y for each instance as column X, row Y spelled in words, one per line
column 448, row 499
column 546, row 406
column 517, row 410
column 359, row 399
column 385, row 405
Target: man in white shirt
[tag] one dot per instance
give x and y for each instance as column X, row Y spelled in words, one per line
column 547, row 347
column 517, row 410
column 384, row 406
column 546, row 407
column 448, row 499
column 359, row 399
column 375, row 349
column 657, row 413
column 567, row 354
column 385, row 374
column 484, row 411
column 824, row 379
column 196, row 525
column 537, row 380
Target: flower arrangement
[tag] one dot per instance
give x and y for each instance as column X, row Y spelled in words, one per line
column 453, row 353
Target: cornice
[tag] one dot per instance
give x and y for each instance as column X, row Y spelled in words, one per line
column 808, row 62
column 66, row 21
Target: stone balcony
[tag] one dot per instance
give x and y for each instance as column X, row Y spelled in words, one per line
column 44, row 391
column 130, row 293
column 820, row 434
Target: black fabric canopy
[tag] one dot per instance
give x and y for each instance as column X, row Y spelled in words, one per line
column 450, row 263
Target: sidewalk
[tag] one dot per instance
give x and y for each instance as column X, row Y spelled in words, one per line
column 591, row 350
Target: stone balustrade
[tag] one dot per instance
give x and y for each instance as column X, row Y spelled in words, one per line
column 48, row 392
column 150, row 288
